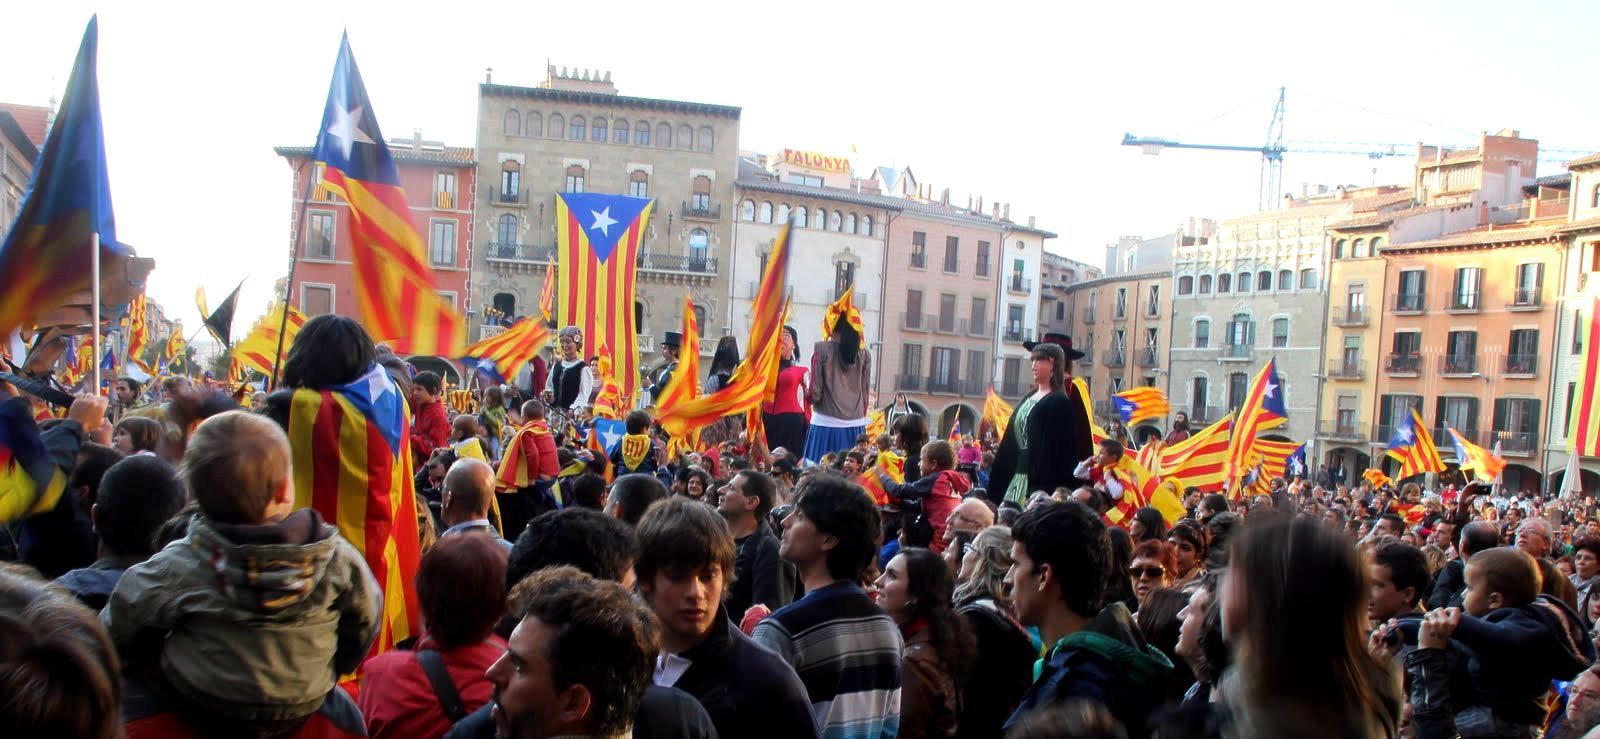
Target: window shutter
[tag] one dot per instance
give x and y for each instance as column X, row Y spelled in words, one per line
column 1386, row 409
column 1538, row 277
column 1250, row 339
column 1472, row 415
column 1500, row 414
column 1530, row 420
column 1438, row 412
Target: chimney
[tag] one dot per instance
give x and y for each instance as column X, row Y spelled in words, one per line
column 416, row 139
column 944, row 197
column 996, row 207
column 1008, row 211
column 969, row 202
column 1030, row 222
column 980, row 205
column 488, row 75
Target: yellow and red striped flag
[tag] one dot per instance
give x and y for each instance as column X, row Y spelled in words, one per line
column 1412, row 446
column 1376, row 478
column 398, row 299
column 1141, row 404
column 501, row 355
column 258, row 350
column 877, row 423
column 1469, row 456
column 547, row 296
column 1263, row 409
column 138, row 332
column 352, row 464
column 1198, row 461
column 77, row 363
column 1584, row 428
column 685, row 383
column 175, row 343
column 608, row 402
column 1140, row 488
column 890, row 464
column 597, row 244
column 756, row 378
column 1275, row 456
column 1096, row 434
column 997, row 413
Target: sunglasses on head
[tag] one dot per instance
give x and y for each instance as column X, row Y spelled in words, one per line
column 1153, row 571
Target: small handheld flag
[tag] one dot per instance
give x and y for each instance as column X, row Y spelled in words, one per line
column 1484, row 465
column 1412, row 446
column 1141, row 404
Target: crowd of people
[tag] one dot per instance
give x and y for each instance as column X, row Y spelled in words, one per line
column 168, row 577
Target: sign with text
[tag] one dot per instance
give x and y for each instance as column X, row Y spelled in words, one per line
column 814, row 160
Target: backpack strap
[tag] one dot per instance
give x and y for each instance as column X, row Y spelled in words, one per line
column 443, row 687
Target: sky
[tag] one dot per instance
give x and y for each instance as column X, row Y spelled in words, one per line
column 1020, row 102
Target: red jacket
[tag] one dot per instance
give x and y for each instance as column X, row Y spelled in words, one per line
column 429, row 431
column 398, row 701
column 940, row 493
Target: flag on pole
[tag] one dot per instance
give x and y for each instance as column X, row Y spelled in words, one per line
column 138, row 332
column 175, row 343
column 259, row 349
column 1376, row 478
column 1141, row 404
column 109, row 361
column 220, row 321
column 756, row 378
column 1275, row 456
column 1584, row 428
column 597, row 246
column 77, row 361
column 997, row 413
column 353, row 465
column 684, row 385
column 547, row 297
column 1262, row 409
column 1484, row 466
column 395, row 291
column 608, row 403
column 1295, row 465
column 1412, row 446
column 955, row 430
column 48, row 254
column 501, row 355
column 1198, row 461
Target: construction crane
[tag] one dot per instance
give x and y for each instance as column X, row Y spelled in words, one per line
column 1271, row 153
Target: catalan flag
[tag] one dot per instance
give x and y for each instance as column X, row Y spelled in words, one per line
column 997, row 413
column 1198, row 461
column 1096, row 434
column 517, row 469
column 955, row 430
column 353, row 465
column 1469, row 456
column 1584, row 428
column 500, row 356
column 1141, row 487
column 399, row 302
column 78, row 361
column 30, row 481
column 685, row 383
column 756, row 378
column 1295, row 465
column 1376, row 478
column 138, row 332
column 1412, row 446
column 608, row 402
column 1275, row 456
column 1262, row 409
column 877, row 423
column 547, row 297
column 175, row 343
column 597, row 244
column 48, row 254
column 890, row 465
column 259, row 349
column 1141, row 404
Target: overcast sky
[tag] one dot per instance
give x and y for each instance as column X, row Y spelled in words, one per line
column 1022, row 102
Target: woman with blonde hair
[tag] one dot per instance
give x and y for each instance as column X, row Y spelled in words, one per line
column 1005, row 650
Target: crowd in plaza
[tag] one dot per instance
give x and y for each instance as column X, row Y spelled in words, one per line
column 164, row 582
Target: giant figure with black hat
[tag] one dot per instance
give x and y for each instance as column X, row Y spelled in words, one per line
column 670, row 347
column 1048, row 431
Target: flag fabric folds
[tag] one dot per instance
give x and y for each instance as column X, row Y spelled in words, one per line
column 1141, row 404
column 353, row 465
column 1295, row 465
column 1198, row 461
column 1484, row 465
column 955, row 430
column 1584, row 428
column 109, row 361
column 598, row 238
column 138, row 332
column 844, row 307
column 77, row 361
column 997, row 413
column 1376, row 478
column 1275, row 456
column 1096, row 433
column 175, row 343
column 685, row 383
column 48, row 253
column 877, row 423
column 220, row 321
column 501, row 355
column 1262, row 409
column 608, row 402
column 891, row 465
column 30, row 481
column 395, row 291
column 1412, row 446
column 547, row 297
column 756, row 378
column 259, row 349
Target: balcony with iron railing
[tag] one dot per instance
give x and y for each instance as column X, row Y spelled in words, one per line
column 1458, row 364
column 1235, row 352
column 979, row 327
column 1409, row 303
column 1352, row 316
column 912, row 383
column 1382, row 433
column 943, row 324
column 1148, row 357
column 701, row 211
column 1088, row 356
column 1019, row 284
column 1347, row 370
column 1009, row 388
column 1342, row 430
column 1018, row 334
column 1464, row 302
column 973, row 388
column 516, row 198
column 1521, row 365
column 917, row 321
column 514, row 251
column 944, row 385
column 1402, row 365
column 693, row 264
column 1441, row 437
column 1527, row 298
column 1512, row 443
column 1116, row 359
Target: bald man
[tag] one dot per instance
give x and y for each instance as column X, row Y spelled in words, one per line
column 969, row 517
column 468, row 489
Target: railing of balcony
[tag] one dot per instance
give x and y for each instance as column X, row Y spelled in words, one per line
column 1458, row 364
column 1527, row 297
column 1200, row 416
column 1148, row 357
column 1342, row 430
column 973, row 388
column 1353, row 315
column 1522, row 364
column 916, row 321
column 908, row 382
column 1088, row 316
column 689, row 263
column 701, row 210
column 1017, row 334
column 1009, row 388
column 1464, row 302
column 512, row 251
column 508, row 197
column 1235, row 351
column 938, row 384
column 1408, row 302
column 1115, row 358
column 1402, row 364
column 979, row 327
column 1019, row 284
column 1512, row 443
column 1106, row 409
column 1347, row 370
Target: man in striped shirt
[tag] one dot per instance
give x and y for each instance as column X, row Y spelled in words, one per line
column 845, row 649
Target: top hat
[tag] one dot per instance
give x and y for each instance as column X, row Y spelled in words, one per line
column 1062, row 340
column 672, row 339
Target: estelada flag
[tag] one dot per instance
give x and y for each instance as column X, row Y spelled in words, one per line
column 352, row 463
column 597, row 247
column 259, row 349
column 1484, row 464
column 1412, row 446
column 1584, row 427
column 395, row 290
column 138, row 332
column 1263, row 408
column 501, row 355
column 1141, row 403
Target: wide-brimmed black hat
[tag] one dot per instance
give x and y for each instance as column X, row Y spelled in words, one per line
column 1062, row 340
column 672, row 339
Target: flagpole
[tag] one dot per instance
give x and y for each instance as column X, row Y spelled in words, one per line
column 296, row 244
column 94, row 289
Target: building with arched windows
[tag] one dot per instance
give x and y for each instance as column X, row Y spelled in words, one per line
column 574, row 133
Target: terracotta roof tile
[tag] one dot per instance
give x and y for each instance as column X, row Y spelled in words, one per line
column 33, row 119
column 449, row 155
column 1481, row 237
column 1584, row 162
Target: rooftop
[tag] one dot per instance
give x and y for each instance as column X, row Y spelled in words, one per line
column 33, row 119
column 449, row 156
column 1584, row 162
column 1487, row 236
column 1123, row 277
column 11, row 129
column 490, row 89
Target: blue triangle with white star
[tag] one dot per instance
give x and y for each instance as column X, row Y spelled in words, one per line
column 604, row 218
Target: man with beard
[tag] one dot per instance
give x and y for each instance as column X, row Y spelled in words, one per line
column 1180, row 428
